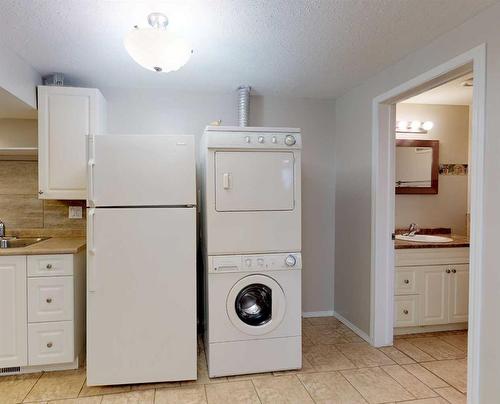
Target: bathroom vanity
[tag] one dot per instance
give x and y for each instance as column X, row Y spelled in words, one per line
column 431, row 286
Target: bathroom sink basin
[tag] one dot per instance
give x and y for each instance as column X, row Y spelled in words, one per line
column 424, row 238
column 15, row 242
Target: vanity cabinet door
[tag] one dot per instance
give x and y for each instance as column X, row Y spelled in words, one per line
column 434, row 286
column 459, row 293
column 13, row 317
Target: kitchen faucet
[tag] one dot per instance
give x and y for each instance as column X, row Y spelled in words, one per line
column 412, row 230
column 2, row 229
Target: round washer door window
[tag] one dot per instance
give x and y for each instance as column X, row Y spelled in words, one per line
column 256, row 304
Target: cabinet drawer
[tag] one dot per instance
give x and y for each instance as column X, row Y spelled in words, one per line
column 50, row 299
column 405, row 311
column 50, row 265
column 405, row 282
column 50, row 343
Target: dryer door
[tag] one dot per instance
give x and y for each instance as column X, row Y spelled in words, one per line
column 256, row 304
column 254, row 181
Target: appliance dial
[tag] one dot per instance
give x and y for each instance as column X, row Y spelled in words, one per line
column 261, row 139
column 247, row 139
column 274, row 140
column 290, row 261
column 290, row 140
column 248, row 262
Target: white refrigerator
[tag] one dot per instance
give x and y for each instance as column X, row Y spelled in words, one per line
column 141, row 259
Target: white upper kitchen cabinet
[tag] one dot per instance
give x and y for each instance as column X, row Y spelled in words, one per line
column 66, row 115
column 13, row 317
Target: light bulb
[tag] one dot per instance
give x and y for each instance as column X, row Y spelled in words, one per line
column 427, row 125
column 402, row 125
column 415, row 125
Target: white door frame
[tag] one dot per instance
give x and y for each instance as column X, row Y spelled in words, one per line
column 382, row 256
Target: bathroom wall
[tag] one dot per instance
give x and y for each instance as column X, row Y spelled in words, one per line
column 20, row 209
column 353, row 170
column 152, row 111
column 448, row 208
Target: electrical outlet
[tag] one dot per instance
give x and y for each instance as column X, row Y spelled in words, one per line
column 75, row 212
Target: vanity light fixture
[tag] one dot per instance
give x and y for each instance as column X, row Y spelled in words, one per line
column 414, row 126
column 155, row 48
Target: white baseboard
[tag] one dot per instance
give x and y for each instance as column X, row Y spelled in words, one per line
column 355, row 329
column 327, row 313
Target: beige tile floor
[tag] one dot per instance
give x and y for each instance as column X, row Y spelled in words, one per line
column 338, row 367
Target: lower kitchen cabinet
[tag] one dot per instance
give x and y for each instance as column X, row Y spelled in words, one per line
column 42, row 312
column 431, row 287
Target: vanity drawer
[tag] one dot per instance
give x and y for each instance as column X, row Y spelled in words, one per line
column 50, row 343
column 50, row 265
column 50, row 299
column 405, row 311
column 405, row 281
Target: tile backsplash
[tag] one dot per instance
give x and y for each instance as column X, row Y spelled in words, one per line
column 24, row 214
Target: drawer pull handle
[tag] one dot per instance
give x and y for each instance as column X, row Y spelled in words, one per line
column 48, row 266
column 49, row 344
column 406, row 281
column 448, row 271
column 49, row 300
column 405, row 311
column 454, row 271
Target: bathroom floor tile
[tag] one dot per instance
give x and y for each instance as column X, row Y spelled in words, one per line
column 364, row 355
column 376, row 386
column 79, row 400
column 132, row 397
column 242, row 392
column 452, row 395
column 194, row 394
column 307, row 367
column 412, row 351
column 409, row 382
column 331, row 388
column 101, row 390
column 326, row 358
column 57, row 385
column 281, row 389
column 426, row 377
column 437, row 348
column 453, row 372
column 325, row 334
column 457, row 340
column 13, row 389
column 396, row 355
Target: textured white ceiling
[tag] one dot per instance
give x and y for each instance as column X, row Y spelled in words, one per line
column 451, row 93
column 311, row 48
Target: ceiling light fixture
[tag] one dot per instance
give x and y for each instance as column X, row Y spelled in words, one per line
column 414, row 126
column 155, row 48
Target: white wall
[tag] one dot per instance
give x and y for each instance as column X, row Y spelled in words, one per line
column 447, row 208
column 157, row 111
column 353, row 179
column 18, row 77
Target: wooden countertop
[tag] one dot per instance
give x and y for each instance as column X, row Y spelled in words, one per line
column 54, row 245
column 458, row 241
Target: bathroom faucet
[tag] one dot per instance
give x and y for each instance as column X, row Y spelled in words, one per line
column 412, row 230
column 2, row 229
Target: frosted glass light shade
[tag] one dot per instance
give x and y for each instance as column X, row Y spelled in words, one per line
column 157, row 49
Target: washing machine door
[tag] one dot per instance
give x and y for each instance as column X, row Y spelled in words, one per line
column 256, row 304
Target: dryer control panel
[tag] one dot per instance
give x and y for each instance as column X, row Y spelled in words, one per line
column 253, row 140
column 255, row 262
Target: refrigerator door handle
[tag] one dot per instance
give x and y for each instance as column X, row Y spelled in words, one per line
column 91, row 276
column 91, row 165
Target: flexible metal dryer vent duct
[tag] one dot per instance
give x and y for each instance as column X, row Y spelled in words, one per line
column 243, row 105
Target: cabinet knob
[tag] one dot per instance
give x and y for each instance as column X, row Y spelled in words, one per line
column 407, row 281
column 448, row 271
column 49, row 300
column 454, row 271
column 48, row 266
column 405, row 311
column 49, row 344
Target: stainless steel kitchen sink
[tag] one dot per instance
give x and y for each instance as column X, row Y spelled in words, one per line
column 18, row 242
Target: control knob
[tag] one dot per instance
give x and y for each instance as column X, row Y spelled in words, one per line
column 261, row 139
column 290, row 140
column 247, row 139
column 290, row 261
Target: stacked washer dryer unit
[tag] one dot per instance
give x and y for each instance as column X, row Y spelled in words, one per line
column 252, row 249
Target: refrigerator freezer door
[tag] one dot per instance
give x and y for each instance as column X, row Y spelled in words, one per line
column 141, row 301
column 141, row 170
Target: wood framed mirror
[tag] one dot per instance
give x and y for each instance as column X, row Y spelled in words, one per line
column 417, row 166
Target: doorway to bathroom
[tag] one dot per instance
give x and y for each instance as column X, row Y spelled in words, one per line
column 386, row 283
